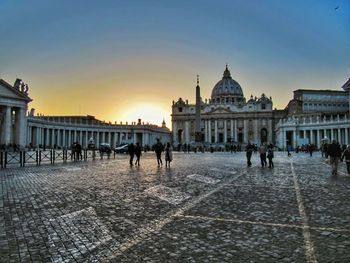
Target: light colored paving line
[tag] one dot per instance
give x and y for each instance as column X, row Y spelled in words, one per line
column 157, row 225
column 241, row 221
column 309, row 246
column 263, row 223
column 262, row 186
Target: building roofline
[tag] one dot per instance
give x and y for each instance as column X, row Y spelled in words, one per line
column 21, row 94
column 319, row 90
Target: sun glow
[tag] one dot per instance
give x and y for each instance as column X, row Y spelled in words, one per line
column 148, row 113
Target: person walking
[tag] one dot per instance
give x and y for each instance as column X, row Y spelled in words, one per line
column 311, row 149
column 249, row 151
column 289, row 148
column 334, row 153
column 131, row 150
column 270, row 156
column 78, row 151
column 168, row 154
column 262, row 151
column 138, row 153
column 158, row 149
column 346, row 156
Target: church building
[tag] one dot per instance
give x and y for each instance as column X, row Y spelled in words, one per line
column 226, row 117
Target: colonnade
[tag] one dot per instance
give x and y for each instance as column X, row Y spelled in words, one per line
column 46, row 136
column 13, row 122
column 314, row 136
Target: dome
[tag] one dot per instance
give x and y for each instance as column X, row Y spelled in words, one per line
column 226, row 88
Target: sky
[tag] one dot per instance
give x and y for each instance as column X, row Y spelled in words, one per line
column 124, row 60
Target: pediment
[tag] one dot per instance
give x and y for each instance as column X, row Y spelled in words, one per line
column 221, row 110
column 9, row 92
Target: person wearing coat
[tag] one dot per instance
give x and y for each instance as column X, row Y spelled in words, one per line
column 168, row 154
column 334, row 152
column 346, row 156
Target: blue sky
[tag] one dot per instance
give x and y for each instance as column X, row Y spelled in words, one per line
column 76, row 55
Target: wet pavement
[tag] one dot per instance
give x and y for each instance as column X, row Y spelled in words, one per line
column 205, row 208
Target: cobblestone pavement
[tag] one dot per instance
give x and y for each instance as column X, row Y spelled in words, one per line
column 205, row 208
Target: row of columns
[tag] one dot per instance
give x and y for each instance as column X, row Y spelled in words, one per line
column 233, row 134
column 315, row 136
column 13, row 128
column 49, row 137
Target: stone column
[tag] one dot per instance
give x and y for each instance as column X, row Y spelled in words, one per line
column 6, row 132
column 135, row 137
column 209, row 131
column 37, row 136
column 53, row 136
column 294, row 138
column 225, row 131
column 311, row 136
column 86, row 138
column 64, row 138
column 270, row 131
column 187, row 138
column 256, row 135
column 69, row 138
column 236, row 136
column 175, row 133
column 245, row 131
column 29, row 135
column 47, row 141
column 232, row 131
column 332, row 134
column 205, row 130
column 58, row 137
column 109, row 138
column 318, row 138
column 339, row 135
column 346, row 136
column 97, row 139
column 216, row 131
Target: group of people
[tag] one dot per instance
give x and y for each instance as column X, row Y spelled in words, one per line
column 76, row 151
column 159, row 148
column 335, row 154
column 264, row 151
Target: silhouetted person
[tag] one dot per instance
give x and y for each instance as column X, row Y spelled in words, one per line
column 74, row 151
column 310, row 149
column 168, row 154
column 270, row 156
column 131, row 150
column 334, row 153
column 262, row 151
column 78, row 151
column 138, row 153
column 249, row 151
column 158, row 149
column 289, row 148
column 346, row 156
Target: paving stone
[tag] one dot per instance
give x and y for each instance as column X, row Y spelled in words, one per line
column 205, row 208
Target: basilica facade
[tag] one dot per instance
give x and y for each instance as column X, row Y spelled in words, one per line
column 226, row 117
